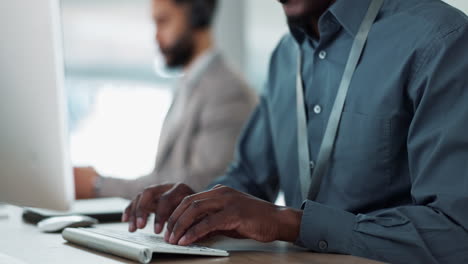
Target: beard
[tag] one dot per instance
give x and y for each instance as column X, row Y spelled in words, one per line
column 181, row 52
column 302, row 13
column 299, row 22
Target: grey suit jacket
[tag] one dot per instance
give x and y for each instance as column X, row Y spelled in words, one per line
column 200, row 144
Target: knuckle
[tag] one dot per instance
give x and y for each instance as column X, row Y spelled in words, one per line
column 187, row 188
column 170, row 221
column 164, row 198
column 225, row 190
column 150, row 188
column 230, row 199
column 207, row 222
column 145, row 197
column 198, row 229
column 187, row 199
column 183, row 188
column 179, row 186
column 147, row 190
column 191, row 232
column 138, row 204
column 176, row 228
column 172, row 194
column 163, row 212
column 195, row 204
column 127, row 211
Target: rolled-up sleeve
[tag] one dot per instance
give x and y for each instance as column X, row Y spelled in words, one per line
column 434, row 228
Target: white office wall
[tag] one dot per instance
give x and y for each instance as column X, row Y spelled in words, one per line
column 230, row 31
column 109, row 40
column 265, row 25
column 247, row 32
column 118, row 39
column 460, row 4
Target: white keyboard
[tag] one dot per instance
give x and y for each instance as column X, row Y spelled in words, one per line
column 156, row 243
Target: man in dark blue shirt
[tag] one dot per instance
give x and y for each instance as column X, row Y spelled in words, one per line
column 395, row 187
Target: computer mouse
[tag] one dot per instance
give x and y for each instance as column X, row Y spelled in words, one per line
column 58, row 223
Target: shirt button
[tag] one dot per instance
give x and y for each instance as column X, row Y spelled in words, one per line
column 317, row 109
column 323, row 245
column 322, row 54
column 312, row 165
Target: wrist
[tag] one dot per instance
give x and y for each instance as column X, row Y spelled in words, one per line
column 289, row 223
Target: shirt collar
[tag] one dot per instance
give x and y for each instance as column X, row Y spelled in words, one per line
column 348, row 14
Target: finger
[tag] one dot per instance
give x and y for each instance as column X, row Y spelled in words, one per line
column 126, row 213
column 147, row 204
column 166, row 205
column 141, row 216
column 132, row 218
column 186, row 202
column 195, row 211
column 211, row 223
column 158, row 228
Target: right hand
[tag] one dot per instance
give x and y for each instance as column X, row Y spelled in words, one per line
column 161, row 200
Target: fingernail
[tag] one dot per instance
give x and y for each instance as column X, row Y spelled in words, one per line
column 171, row 240
column 166, row 236
column 124, row 218
column 157, row 228
column 182, row 241
column 140, row 222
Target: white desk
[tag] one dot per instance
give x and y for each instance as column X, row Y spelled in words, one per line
column 26, row 243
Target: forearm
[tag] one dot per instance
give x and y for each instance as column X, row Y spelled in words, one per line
column 115, row 187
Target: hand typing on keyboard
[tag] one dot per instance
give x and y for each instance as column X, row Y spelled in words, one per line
column 191, row 216
column 161, row 200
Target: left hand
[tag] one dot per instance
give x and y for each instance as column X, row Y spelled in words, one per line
column 233, row 213
column 85, row 179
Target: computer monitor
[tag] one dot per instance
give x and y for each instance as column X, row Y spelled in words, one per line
column 34, row 158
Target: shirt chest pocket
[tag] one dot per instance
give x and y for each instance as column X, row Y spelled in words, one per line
column 360, row 161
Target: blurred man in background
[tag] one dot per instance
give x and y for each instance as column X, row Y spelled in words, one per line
column 209, row 109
